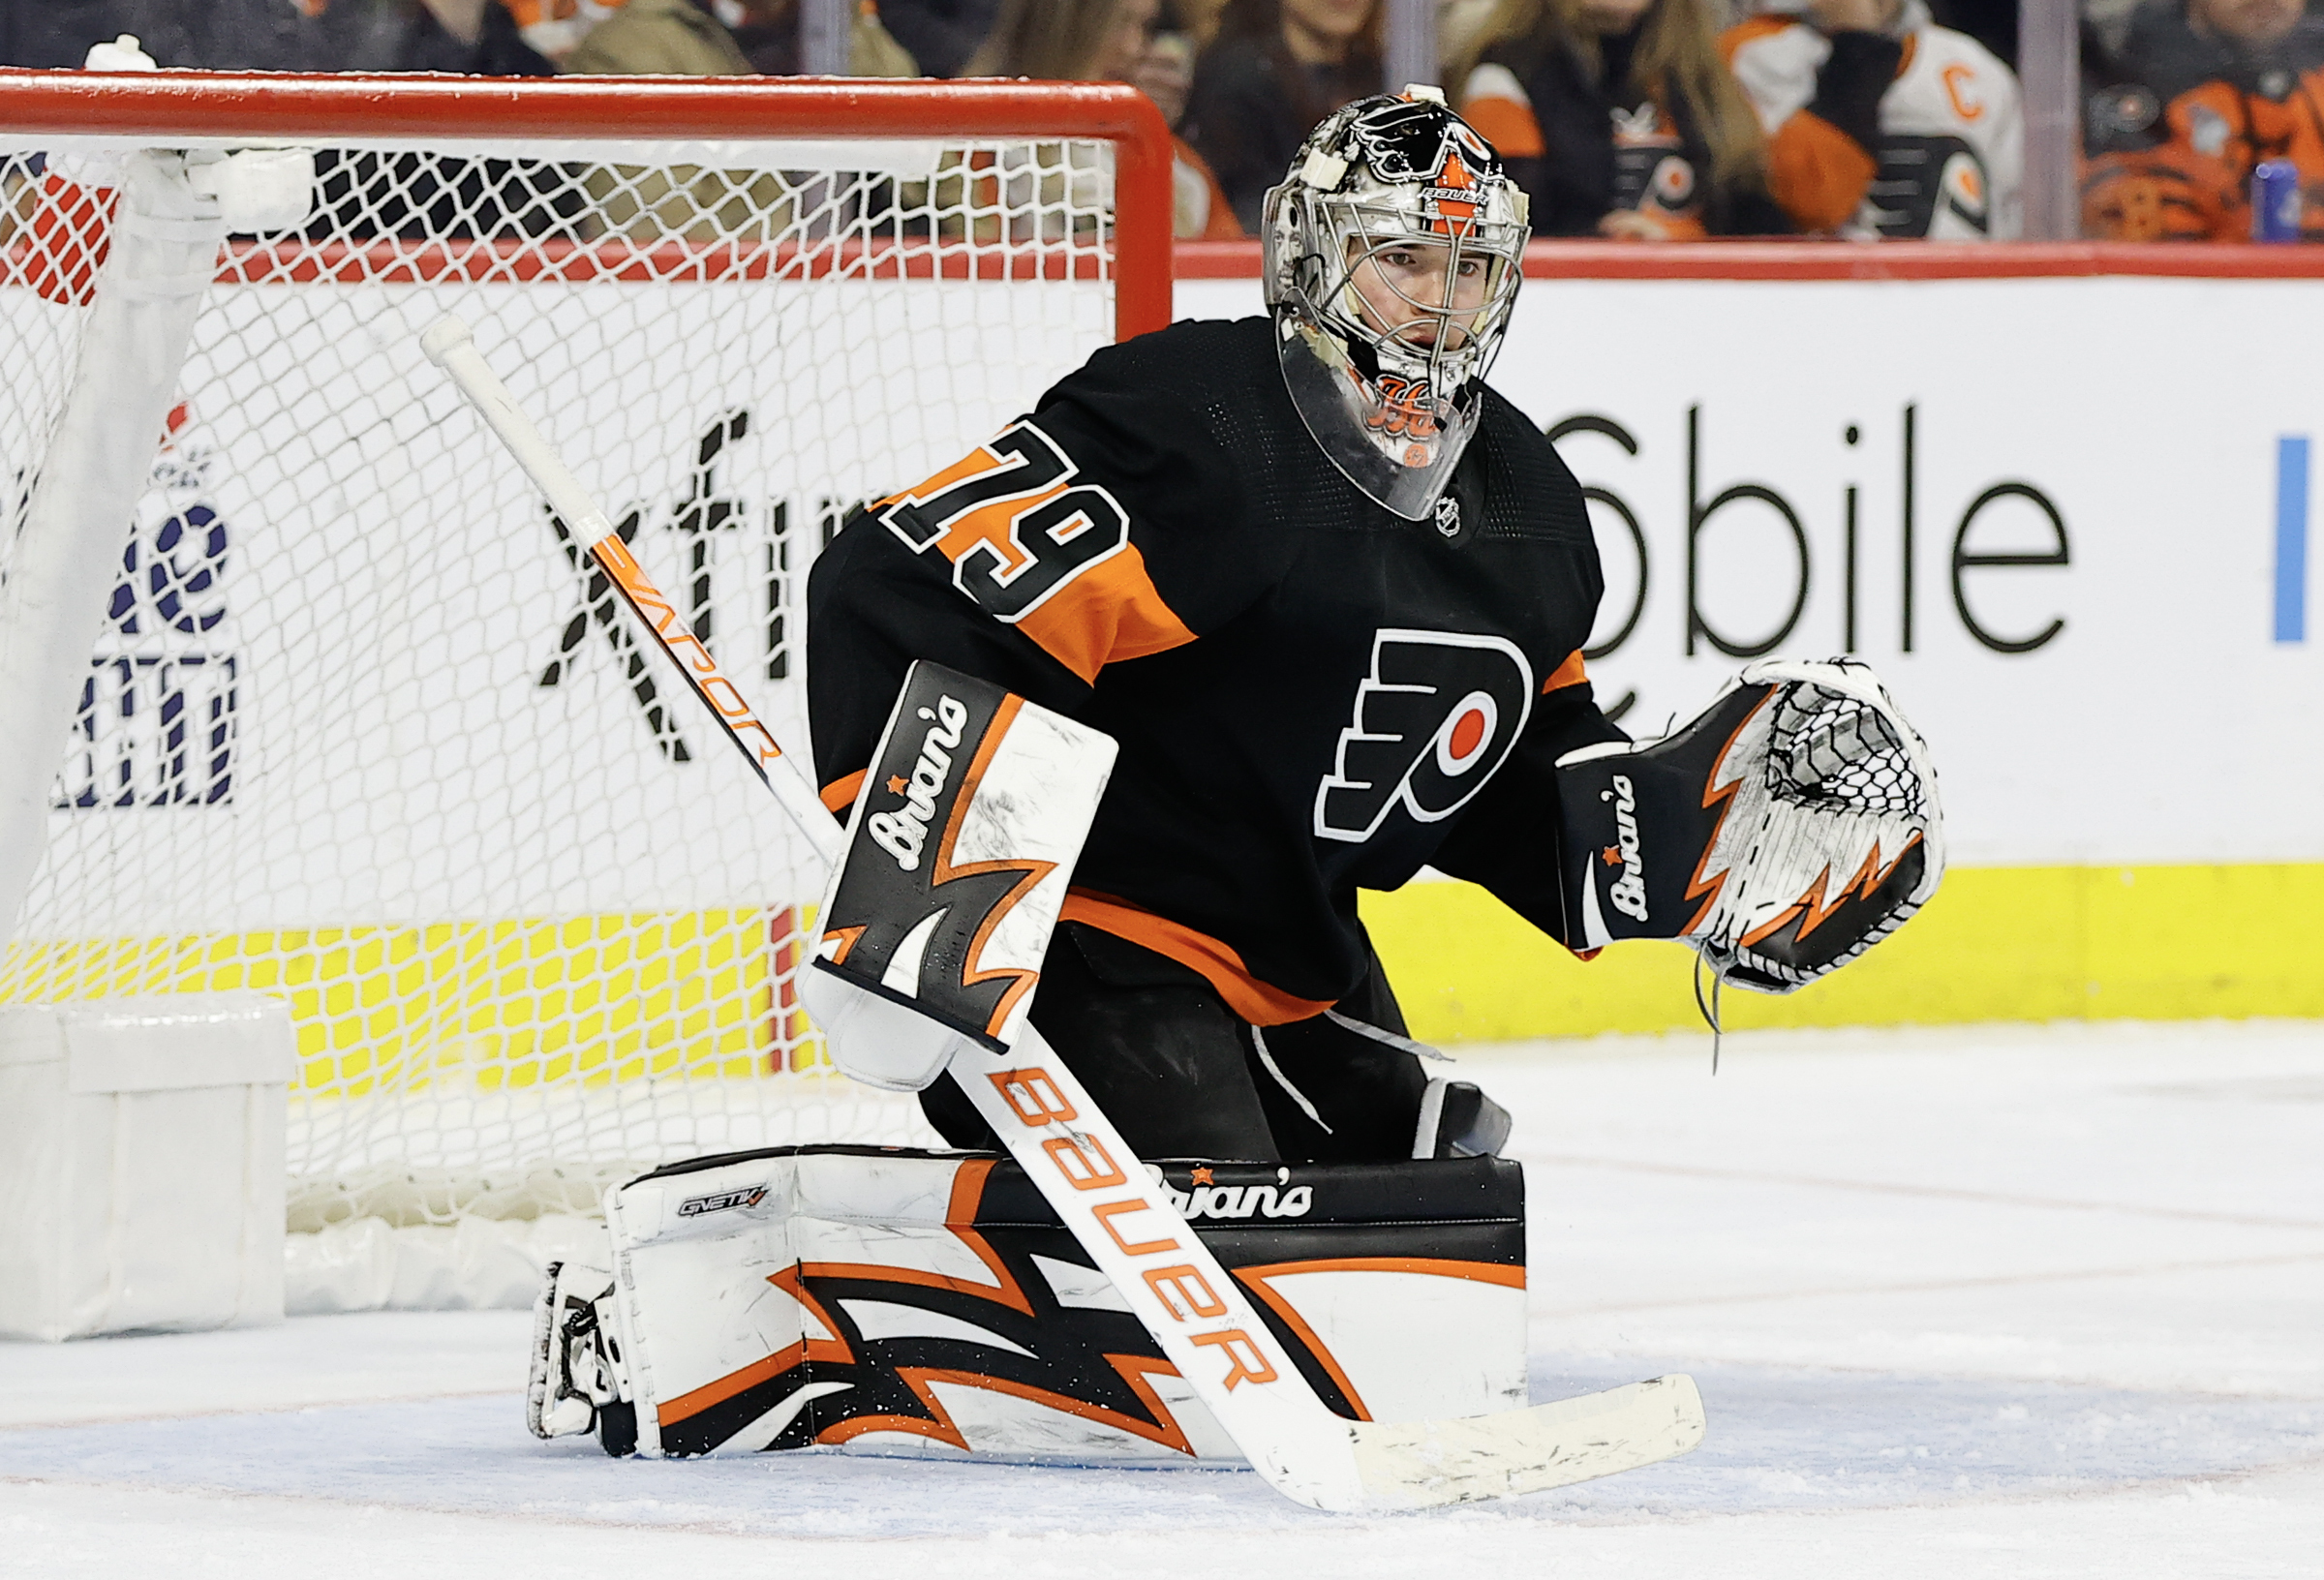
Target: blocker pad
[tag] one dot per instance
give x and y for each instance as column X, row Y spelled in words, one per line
column 961, row 843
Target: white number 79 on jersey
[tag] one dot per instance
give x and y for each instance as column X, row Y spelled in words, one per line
column 1012, row 520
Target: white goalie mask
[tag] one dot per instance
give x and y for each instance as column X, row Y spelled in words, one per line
column 1393, row 260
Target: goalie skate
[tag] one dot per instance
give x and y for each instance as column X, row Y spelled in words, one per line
column 576, row 1380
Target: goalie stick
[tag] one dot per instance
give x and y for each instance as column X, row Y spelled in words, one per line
column 1106, row 1197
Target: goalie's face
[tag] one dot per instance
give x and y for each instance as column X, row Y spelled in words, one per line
column 1427, row 282
column 1423, row 294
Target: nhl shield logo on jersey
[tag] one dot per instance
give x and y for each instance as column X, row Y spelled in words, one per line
column 1447, row 515
column 1438, row 713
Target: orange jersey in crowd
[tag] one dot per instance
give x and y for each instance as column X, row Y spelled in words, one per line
column 1593, row 144
column 2173, row 136
column 1199, row 207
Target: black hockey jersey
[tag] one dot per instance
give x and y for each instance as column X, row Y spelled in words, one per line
column 1312, row 695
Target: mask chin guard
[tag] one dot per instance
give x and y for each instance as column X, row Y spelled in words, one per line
column 1383, row 432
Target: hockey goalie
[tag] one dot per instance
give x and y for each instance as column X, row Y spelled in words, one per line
column 1122, row 711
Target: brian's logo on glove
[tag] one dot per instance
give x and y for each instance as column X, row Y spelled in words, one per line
column 1794, row 825
column 1436, row 716
column 1629, row 891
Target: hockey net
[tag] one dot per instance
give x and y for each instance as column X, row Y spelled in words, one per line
column 360, row 732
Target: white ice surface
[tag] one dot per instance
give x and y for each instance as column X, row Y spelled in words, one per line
column 1996, row 1303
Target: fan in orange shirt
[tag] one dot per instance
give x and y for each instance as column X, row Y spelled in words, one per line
column 1881, row 123
column 2195, row 98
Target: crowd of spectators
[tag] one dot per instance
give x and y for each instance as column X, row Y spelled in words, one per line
column 1620, row 118
column 2183, row 100
column 1637, row 119
column 476, row 36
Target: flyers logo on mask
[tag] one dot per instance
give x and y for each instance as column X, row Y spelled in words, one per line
column 1438, row 713
column 1418, row 142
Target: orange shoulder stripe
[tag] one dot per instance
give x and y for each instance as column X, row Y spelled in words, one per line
column 1107, row 614
column 1256, row 1001
column 1103, row 613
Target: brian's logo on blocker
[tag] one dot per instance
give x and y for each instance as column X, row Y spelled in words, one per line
column 904, row 832
column 1438, row 713
column 747, row 1196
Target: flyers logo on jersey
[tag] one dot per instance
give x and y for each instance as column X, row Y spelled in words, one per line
column 1438, row 713
column 1012, row 520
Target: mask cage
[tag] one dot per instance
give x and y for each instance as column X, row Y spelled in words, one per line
column 1356, row 230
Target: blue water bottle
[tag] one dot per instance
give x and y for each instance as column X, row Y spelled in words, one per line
column 2276, row 201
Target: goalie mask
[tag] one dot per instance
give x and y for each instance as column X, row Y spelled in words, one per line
column 1392, row 252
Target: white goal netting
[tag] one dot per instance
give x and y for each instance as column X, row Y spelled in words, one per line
column 360, row 732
